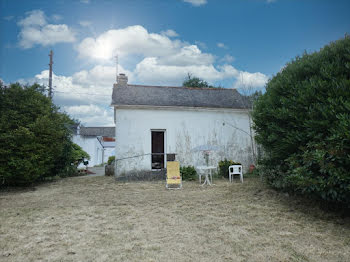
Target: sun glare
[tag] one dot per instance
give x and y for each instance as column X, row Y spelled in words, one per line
column 102, row 50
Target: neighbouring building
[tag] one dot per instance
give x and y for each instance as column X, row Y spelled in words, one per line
column 98, row 142
column 153, row 122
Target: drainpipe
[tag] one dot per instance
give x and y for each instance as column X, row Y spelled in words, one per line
column 103, row 149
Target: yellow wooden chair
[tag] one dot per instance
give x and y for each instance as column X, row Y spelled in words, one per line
column 173, row 177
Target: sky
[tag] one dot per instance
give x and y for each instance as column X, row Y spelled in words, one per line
column 232, row 43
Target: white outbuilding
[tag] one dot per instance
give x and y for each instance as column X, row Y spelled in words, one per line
column 155, row 122
column 98, row 142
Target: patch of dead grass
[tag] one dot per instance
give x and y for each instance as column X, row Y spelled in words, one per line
column 97, row 219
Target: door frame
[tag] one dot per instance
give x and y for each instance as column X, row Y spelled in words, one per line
column 165, row 145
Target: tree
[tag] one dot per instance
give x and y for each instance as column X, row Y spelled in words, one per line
column 191, row 81
column 34, row 136
column 252, row 97
column 303, row 124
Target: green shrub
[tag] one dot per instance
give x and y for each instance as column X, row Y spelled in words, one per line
column 110, row 160
column 224, row 165
column 34, row 136
column 303, row 124
column 79, row 155
column 254, row 173
column 188, row 173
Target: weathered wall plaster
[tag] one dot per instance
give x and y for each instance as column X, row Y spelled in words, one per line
column 185, row 129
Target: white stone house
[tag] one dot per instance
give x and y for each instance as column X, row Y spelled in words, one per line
column 98, row 142
column 163, row 119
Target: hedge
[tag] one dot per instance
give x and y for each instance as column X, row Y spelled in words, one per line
column 303, row 124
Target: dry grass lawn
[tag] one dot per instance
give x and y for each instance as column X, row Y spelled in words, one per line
column 97, row 219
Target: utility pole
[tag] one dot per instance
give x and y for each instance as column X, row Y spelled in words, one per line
column 50, row 74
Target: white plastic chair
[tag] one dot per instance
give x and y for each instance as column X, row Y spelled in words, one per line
column 235, row 170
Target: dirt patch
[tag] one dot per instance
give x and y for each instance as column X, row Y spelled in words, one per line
column 97, row 219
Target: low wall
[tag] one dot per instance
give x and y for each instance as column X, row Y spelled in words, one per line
column 142, row 175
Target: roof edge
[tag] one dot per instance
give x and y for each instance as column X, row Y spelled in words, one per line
column 180, row 108
column 184, row 87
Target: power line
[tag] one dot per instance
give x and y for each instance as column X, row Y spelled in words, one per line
column 93, row 94
column 78, row 93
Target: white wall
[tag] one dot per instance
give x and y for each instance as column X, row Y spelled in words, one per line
column 185, row 129
column 91, row 146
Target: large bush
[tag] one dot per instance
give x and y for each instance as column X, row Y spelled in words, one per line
column 303, row 123
column 34, row 136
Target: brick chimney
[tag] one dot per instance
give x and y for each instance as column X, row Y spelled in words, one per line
column 122, row 80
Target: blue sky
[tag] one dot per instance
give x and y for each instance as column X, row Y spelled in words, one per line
column 235, row 44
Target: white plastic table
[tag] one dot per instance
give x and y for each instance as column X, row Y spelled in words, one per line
column 207, row 174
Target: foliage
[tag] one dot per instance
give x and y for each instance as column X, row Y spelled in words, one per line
column 110, row 160
column 252, row 98
column 191, row 81
column 35, row 138
column 303, row 124
column 224, row 165
column 188, row 173
column 78, row 154
column 254, row 173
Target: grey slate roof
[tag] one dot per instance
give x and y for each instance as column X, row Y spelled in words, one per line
column 177, row 96
column 97, row 131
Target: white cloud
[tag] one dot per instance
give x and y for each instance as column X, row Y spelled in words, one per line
column 91, row 115
column 85, row 23
column 36, row 31
column 270, row 1
column 187, row 55
column 84, row 109
column 136, row 40
column 170, row 33
column 130, row 40
column 57, row 17
column 83, row 87
column 86, row 101
column 227, row 59
column 248, row 80
column 196, row 2
column 221, row 45
column 150, row 71
column 159, row 60
column 85, row 1
column 34, row 18
column 86, row 95
column 99, row 76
